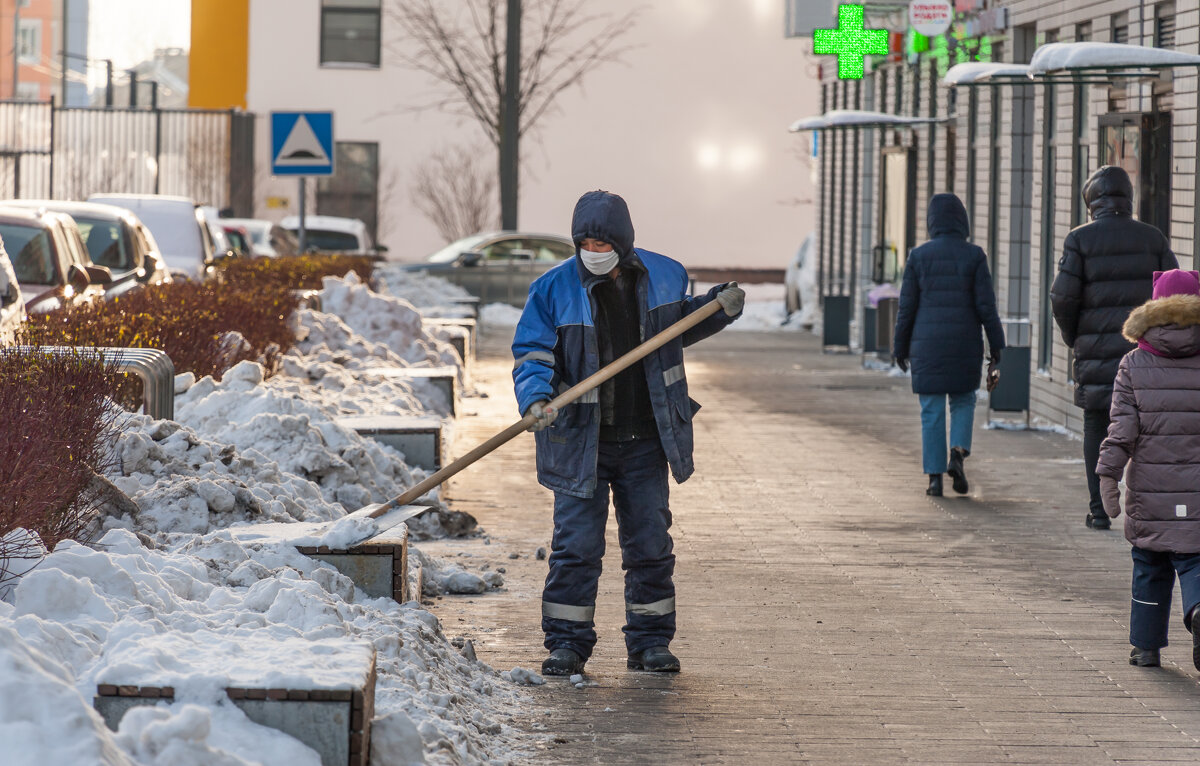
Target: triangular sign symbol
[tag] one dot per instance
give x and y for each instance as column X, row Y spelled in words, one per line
column 302, row 146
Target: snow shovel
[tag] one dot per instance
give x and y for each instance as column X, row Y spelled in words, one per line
column 398, row 509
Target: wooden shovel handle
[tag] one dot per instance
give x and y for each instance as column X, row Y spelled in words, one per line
column 562, row 400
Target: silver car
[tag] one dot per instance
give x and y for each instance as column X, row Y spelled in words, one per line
column 498, row 266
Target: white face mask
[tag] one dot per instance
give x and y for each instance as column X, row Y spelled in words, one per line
column 599, row 263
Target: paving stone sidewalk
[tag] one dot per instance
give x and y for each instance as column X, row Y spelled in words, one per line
column 828, row 611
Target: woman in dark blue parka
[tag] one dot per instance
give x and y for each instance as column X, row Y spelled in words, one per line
column 946, row 297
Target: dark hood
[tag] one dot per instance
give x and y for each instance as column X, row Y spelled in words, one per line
column 947, row 217
column 1108, row 191
column 605, row 216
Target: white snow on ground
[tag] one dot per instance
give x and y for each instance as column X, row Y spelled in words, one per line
column 170, row 597
column 433, row 296
column 499, row 315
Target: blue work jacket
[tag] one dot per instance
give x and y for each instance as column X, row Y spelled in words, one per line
column 555, row 347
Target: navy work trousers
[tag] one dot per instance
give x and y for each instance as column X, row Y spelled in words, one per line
column 1153, row 580
column 637, row 473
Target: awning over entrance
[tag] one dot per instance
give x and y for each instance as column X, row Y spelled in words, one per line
column 985, row 73
column 1060, row 58
column 854, row 118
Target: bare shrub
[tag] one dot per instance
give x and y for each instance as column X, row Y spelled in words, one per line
column 301, row 272
column 191, row 322
column 456, row 190
column 58, row 421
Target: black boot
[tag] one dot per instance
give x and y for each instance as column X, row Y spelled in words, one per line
column 935, row 485
column 656, row 659
column 1098, row 522
column 1192, row 626
column 1144, row 658
column 956, row 471
column 562, row 662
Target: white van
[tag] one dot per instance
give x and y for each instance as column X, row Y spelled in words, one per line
column 178, row 225
column 332, row 234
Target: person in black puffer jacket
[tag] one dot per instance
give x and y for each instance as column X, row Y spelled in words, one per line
column 1105, row 272
column 946, row 297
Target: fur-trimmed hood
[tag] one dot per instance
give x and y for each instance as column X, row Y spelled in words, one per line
column 1171, row 325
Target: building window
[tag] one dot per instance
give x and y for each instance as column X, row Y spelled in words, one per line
column 353, row 189
column 350, row 32
column 1120, row 27
column 1164, row 25
column 29, row 41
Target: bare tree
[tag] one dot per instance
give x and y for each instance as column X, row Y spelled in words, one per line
column 462, row 45
column 456, row 193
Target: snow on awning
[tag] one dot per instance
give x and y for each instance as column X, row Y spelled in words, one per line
column 854, row 118
column 1081, row 57
column 977, row 72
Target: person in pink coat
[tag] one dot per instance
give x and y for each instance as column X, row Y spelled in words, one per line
column 1155, row 431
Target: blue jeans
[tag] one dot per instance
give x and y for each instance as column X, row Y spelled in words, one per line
column 637, row 473
column 1153, row 580
column 934, row 456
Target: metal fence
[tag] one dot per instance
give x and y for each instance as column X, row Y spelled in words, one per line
column 53, row 152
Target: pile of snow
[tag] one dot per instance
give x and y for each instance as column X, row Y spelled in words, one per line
column 173, row 594
column 206, row 612
column 499, row 315
column 380, row 318
column 431, row 295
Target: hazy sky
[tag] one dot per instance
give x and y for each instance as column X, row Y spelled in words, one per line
column 128, row 31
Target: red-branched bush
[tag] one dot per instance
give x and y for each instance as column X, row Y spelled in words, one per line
column 299, row 272
column 204, row 327
column 57, row 423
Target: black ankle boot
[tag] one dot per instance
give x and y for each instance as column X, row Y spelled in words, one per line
column 1098, row 522
column 935, row 485
column 562, row 662
column 1144, row 658
column 956, row 471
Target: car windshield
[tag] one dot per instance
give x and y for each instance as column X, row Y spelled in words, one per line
column 450, row 252
column 236, row 240
column 30, row 251
column 105, row 245
column 322, row 239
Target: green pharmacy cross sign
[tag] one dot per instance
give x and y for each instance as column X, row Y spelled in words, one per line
column 850, row 42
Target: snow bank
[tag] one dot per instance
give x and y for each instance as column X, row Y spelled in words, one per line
column 499, row 315
column 380, row 318
column 431, row 295
column 204, row 612
column 171, row 596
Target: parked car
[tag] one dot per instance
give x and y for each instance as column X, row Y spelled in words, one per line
column 498, row 266
column 333, row 234
column 179, row 227
column 12, row 308
column 50, row 259
column 113, row 237
column 799, row 282
column 239, row 240
column 266, row 238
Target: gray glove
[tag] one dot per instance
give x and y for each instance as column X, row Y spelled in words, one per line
column 545, row 415
column 732, row 298
column 1110, row 493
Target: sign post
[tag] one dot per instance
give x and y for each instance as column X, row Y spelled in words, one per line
column 302, row 146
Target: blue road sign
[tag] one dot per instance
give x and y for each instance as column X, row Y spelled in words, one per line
column 302, row 143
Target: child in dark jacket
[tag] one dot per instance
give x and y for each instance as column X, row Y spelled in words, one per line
column 1155, row 429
